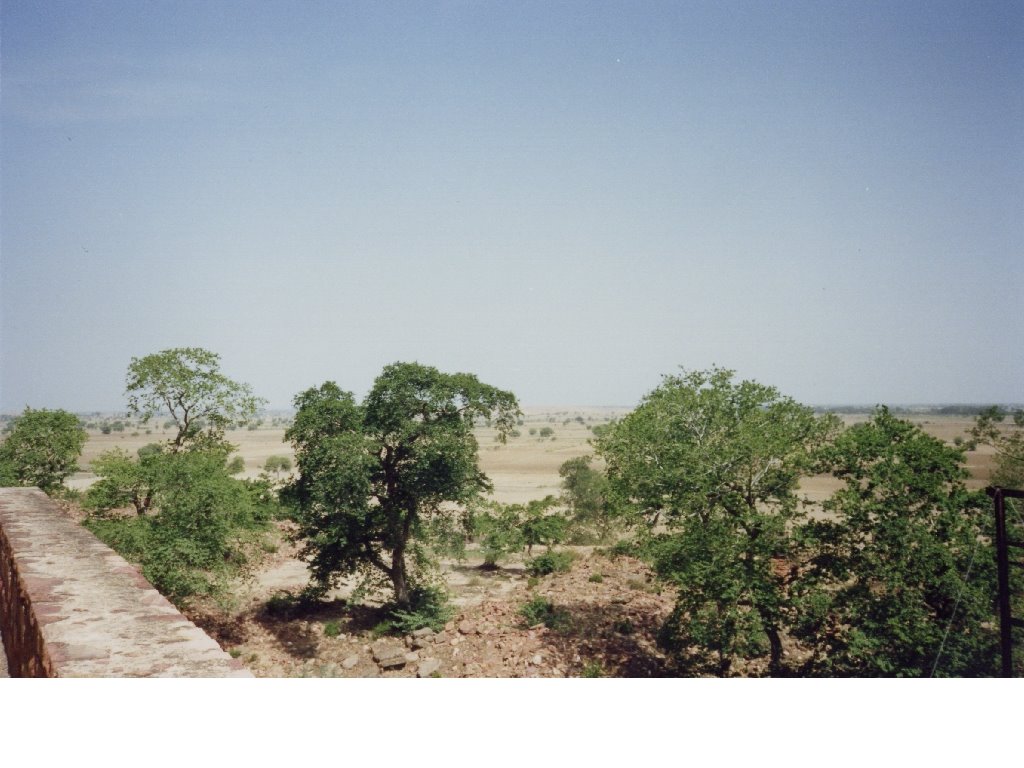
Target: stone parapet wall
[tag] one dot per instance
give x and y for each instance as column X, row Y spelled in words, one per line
column 72, row 607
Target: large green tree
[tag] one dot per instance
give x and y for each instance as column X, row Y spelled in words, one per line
column 42, row 449
column 714, row 463
column 900, row 578
column 376, row 480
column 186, row 383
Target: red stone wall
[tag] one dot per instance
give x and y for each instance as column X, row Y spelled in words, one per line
column 72, row 607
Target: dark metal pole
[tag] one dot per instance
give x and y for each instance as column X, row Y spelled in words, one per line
column 1003, row 566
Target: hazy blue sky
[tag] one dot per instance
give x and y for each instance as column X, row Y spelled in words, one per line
column 567, row 199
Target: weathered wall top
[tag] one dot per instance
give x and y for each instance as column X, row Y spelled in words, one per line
column 72, row 607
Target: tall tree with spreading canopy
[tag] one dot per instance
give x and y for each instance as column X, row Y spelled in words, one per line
column 717, row 463
column 374, row 478
column 42, row 449
column 187, row 384
column 901, row 580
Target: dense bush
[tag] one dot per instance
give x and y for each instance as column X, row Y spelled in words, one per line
column 42, row 449
column 551, row 562
column 202, row 526
column 430, row 608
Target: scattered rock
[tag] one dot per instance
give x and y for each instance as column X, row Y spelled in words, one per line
column 422, row 632
column 350, row 662
column 537, row 660
column 467, row 627
column 388, row 654
column 411, row 657
column 428, row 667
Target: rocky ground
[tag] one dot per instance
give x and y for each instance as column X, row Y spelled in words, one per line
column 608, row 611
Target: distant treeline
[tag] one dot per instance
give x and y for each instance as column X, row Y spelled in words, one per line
column 916, row 410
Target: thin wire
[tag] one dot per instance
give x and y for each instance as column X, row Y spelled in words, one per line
column 956, row 604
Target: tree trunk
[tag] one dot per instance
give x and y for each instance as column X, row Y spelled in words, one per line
column 399, row 580
column 775, row 661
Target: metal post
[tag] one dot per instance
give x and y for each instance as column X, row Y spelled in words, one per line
column 1003, row 566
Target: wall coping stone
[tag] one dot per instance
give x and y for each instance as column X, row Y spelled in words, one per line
column 72, row 607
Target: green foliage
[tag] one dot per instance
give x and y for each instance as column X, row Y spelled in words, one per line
column 596, row 578
column 332, row 628
column 542, row 611
column 42, row 449
column 546, row 432
column 551, row 562
column 235, row 466
column 499, row 527
column 123, row 481
column 187, row 384
column 585, row 493
column 1007, row 439
column 206, row 528
column 277, row 464
column 903, row 565
column 374, row 477
column 541, row 526
column 717, row 462
column 429, row 607
column 593, row 669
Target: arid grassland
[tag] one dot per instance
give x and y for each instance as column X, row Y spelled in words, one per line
column 526, row 467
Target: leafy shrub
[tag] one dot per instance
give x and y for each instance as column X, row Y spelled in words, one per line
column 42, row 449
column 546, row 432
column 499, row 528
column 596, row 578
column 430, row 608
column 593, row 669
column 542, row 611
column 207, row 527
column 332, row 628
column 551, row 562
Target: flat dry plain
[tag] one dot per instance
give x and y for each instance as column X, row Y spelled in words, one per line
column 526, row 467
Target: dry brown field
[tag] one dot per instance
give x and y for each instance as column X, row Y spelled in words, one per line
column 526, row 467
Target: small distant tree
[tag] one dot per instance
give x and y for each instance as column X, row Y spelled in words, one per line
column 546, row 431
column 499, row 528
column 187, row 383
column 235, row 465
column 277, row 465
column 375, row 479
column 42, row 449
column 542, row 527
column 585, row 493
